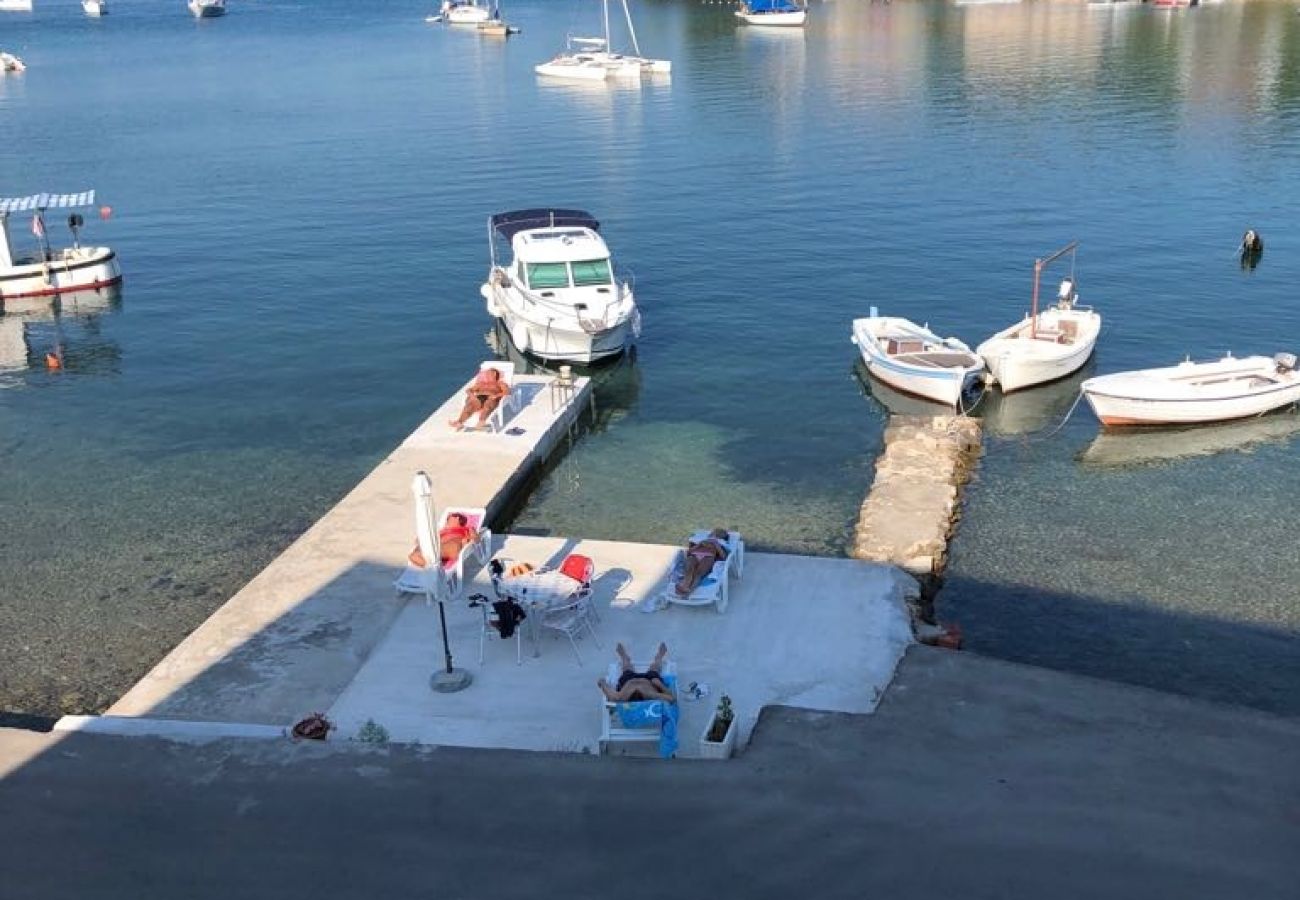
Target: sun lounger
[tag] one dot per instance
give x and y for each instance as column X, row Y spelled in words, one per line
column 713, row 587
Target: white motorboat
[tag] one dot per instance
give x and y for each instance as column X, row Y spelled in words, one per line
column 559, row 297
column 773, row 13
column 1191, row 392
column 913, row 359
column 1044, row 346
column 207, row 9
column 48, row 271
column 11, row 63
column 95, row 7
column 15, row 5
column 464, row 12
column 592, row 59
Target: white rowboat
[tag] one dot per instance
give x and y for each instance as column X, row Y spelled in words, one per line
column 1191, row 392
column 913, row 359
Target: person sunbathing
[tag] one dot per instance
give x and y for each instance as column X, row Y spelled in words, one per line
column 483, row 396
column 455, row 536
column 633, row 685
column 699, row 560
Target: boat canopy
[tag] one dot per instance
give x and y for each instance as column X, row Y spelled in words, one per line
column 508, row 224
column 773, row 6
column 43, row 202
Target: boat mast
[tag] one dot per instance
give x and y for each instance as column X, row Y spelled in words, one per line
column 636, row 48
column 604, row 5
column 1039, row 265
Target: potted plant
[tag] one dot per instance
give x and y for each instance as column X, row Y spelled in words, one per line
column 719, row 738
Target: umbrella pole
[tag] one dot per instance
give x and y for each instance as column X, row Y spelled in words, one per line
column 446, row 647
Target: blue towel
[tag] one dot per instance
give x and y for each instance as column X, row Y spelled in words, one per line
column 646, row 713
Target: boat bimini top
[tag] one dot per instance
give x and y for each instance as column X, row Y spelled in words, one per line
column 548, row 235
column 508, row 224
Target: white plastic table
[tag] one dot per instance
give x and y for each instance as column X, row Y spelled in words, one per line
column 537, row 591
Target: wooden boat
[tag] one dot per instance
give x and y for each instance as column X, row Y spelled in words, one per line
column 915, row 360
column 1048, row 345
column 1191, row 392
column 48, row 270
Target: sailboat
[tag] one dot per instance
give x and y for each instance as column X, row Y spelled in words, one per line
column 591, row 59
column 1047, row 345
column 772, row 13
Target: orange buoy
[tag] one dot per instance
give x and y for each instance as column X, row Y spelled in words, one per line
column 53, row 361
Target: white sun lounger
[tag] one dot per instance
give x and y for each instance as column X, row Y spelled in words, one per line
column 713, row 587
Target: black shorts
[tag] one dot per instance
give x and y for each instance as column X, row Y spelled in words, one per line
column 651, row 676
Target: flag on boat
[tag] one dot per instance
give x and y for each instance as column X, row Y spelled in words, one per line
column 38, row 228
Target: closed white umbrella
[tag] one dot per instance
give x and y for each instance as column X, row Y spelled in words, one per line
column 447, row 679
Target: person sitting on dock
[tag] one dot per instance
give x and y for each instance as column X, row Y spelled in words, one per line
column 483, row 396
column 699, row 560
column 633, row 685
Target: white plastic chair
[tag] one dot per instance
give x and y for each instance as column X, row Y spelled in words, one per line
column 715, row 586
column 510, row 403
column 411, row 581
column 612, row 729
column 570, row 620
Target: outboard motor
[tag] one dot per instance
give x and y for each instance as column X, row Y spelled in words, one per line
column 75, row 221
column 1068, row 295
column 1286, row 362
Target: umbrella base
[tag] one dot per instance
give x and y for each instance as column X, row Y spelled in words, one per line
column 445, row 682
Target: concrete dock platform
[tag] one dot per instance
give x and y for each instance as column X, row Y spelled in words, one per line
column 295, row 636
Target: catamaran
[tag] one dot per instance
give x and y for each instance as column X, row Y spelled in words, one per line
column 559, row 297
column 591, row 59
column 1048, row 345
column 773, row 13
column 49, row 271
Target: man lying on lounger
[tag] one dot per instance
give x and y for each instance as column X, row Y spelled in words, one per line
column 633, row 685
column 699, row 560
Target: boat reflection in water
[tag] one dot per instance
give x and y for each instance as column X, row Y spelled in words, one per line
column 1005, row 415
column 1163, row 445
column 617, row 382
column 61, row 333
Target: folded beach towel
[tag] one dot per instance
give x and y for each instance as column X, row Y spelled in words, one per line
column 646, row 713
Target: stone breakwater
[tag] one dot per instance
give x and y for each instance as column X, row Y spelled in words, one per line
column 914, row 502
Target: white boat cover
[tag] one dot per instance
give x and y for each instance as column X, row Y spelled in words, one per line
column 47, row 201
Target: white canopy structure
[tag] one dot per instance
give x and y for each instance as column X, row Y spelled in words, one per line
column 42, row 202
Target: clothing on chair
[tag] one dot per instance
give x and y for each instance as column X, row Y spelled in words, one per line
column 509, row 615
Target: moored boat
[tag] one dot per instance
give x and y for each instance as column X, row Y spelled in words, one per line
column 558, row 296
column 464, row 12
column 773, row 13
column 592, row 59
column 1048, row 345
column 913, row 359
column 95, row 8
column 15, row 5
column 48, row 270
column 1192, row 392
column 207, row 9
column 11, row 63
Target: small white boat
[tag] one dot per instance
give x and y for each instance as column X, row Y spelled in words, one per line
column 464, row 12
column 95, row 8
column 591, row 59
column 559, row 297
column 47, row 270
column 1191, row 392
column 913, row 359
column 207, row 9
column 1044, row 346
column 11, row 63
column 15, row 5
column 773, row 13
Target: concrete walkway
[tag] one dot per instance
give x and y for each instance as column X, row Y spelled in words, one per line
column 296, row 635
column 974, row 778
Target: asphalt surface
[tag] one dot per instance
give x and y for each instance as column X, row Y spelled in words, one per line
column 975, row 778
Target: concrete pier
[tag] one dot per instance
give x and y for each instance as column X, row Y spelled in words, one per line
column 295, row 636
column 912, row 507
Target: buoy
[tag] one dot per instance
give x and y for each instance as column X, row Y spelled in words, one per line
column 105, row 212
column 53, row 361
column 1251, row 242
column 519, row 334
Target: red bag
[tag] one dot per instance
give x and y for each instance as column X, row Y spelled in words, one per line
column 578, row 567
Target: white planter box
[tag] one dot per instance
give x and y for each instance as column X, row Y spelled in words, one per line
column 718, row 749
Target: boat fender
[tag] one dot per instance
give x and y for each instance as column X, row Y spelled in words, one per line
column 1251, row 242
column 1286, row 362
column 519, row 334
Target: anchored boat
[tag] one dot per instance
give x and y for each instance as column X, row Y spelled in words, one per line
column 1048, row 345
column 591, row 59
column 10, row 63
column 559, row 297
column 773, row 13
column 1191, row 392
column 48, row 271
column 207, row 9
column 464, row 12
column 95, row 8
column 913, row 359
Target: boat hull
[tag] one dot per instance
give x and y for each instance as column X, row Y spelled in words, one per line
column 1018, row 361
column 71, row 270
column 941, row 385
column 466, row 15
column 571, row 70
column 794, row 19
column 1157, row 396
column 563, row 342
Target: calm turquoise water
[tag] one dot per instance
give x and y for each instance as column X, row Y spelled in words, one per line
column 300, row 191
